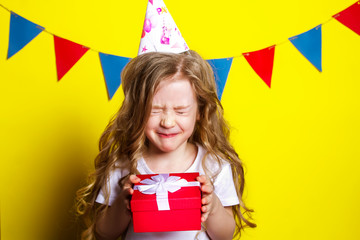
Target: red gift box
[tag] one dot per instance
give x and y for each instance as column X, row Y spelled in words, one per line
column 148, row 209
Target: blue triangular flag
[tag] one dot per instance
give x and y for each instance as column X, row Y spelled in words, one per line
column 309, row 44
column 221, row 68
column 112, row 66
column 22, row 31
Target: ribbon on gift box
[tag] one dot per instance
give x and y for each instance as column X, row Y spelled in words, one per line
column 162, row 184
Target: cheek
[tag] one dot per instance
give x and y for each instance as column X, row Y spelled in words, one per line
column 151, row 124
column 190, row 123
column 149, row 134
column 148, row 127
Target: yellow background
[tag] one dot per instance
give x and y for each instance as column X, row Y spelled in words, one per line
column 299, row 140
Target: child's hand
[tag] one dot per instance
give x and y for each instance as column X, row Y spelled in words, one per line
column 126, row 185
column 208, row 200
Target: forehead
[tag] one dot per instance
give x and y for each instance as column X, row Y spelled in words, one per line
column 174, row 91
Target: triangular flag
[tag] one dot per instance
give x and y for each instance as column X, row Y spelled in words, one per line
column 67, row 54
column 262, row 62
column 350, row 17
column 160, row 33
column 309, row 44
column 221, row 68
column 22, row 31
column 112, row 66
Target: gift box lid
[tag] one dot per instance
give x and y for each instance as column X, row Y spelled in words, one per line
column 185, row 198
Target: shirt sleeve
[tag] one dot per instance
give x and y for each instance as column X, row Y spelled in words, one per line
column 224, row 186
column 113, row 187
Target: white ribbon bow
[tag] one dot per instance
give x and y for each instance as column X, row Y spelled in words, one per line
column 162, row 184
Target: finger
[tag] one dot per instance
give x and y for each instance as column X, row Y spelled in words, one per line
column 205, row 214
column 206, row 199
column 202, row 179
column 204, row 217
column 127, row 186
column 207, row 189
column 204, row 209
column 127, row 191
column 134, row 179
column 129, row 181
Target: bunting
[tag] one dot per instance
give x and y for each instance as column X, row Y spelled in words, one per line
column 221, row 68
column 262, row 62
column 22, row 31
column 68, row 53
column 112, row 66
column 350, row 17
column 309, row 45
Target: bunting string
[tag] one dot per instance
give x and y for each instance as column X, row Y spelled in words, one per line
column 68, row 53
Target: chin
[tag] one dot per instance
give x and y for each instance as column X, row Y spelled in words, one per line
column 167, row 149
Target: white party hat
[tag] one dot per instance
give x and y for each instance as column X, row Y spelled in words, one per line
column 160, row 33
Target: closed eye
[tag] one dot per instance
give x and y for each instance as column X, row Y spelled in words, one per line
column 180, row 112
column 155, row 111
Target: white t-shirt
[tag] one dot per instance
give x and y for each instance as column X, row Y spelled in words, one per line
column 224, row 188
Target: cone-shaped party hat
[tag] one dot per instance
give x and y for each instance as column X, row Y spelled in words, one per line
column 160, row 33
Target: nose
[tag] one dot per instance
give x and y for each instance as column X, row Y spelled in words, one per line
column 167, row 120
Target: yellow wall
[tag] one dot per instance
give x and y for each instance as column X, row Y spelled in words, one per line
column 299, row 139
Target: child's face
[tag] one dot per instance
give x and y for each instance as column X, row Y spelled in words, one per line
column 173, row 115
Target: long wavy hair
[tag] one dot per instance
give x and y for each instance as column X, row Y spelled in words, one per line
column 123, row 142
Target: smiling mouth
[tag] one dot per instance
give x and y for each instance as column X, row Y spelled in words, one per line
column 165, row 135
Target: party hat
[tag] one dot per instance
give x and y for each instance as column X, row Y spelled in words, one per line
column 160, row 33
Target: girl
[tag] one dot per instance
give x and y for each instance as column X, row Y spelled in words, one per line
column 170, row 121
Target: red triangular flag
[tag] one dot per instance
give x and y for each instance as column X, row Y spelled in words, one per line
column 67, row 54
column 262, row 62
column 350, row 17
